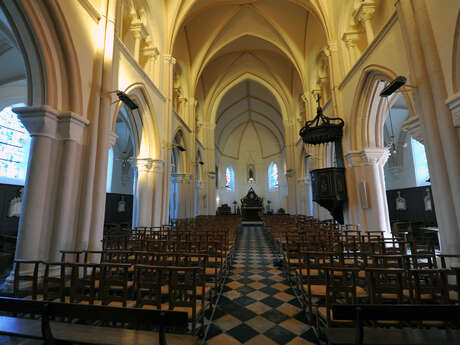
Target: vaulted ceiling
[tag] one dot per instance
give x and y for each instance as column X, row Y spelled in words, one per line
column 219, row 43
column 249, row 110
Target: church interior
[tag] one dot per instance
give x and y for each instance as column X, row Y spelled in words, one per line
column 229, row 172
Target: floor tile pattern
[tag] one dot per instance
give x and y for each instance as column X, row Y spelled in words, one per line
column 258, row 305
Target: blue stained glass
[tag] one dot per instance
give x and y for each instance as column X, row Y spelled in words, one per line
column 273, row 176
column 14, row 147
column 229, row 179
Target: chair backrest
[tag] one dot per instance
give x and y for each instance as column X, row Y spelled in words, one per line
column 385, row 285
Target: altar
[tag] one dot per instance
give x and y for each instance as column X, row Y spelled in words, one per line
column 252, row 207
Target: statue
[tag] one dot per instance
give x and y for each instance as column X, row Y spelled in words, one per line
column 14, row 209
column 401, row 204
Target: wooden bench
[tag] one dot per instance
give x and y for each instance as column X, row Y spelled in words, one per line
column 361, row 313
column 58, row 332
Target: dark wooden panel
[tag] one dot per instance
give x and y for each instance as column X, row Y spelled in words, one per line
column 415, row 206
column 8, row 225
column 112, row 216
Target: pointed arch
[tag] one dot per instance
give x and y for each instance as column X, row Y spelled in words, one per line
column 369, row 110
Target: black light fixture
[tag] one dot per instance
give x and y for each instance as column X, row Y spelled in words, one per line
column 201, row 162
column 126, row 100
column 179, row 147
column 393, row 86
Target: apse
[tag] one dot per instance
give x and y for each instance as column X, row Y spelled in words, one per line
column 250, row 145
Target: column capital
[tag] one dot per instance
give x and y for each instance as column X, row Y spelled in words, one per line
column 413, row 127
column 332, row 46
column 351, row 37
column 368, row 156
column 157, row 165
column 179, row 177
column 290, row 173
column 112, row 138
column 454, row 105
column 39, row 121
column 364, row 11
column 142, row 164
column 170, row 59
column 71, row 127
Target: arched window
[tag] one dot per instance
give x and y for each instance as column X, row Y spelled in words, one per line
column 14, row 147
column 229, row 179
column 273, row 176
column 422, row 174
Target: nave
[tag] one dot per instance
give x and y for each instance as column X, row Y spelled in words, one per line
column 258, row 306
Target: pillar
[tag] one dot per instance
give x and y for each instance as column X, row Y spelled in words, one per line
column 157, row 170
column 169, row 63
column 35, row 222
column 367, row 166
column 440, row 135
column 70, row 131
column 143, row 197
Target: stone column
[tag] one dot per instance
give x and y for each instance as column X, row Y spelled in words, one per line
column 363, row 14
column 157, row 169
column 440, row 135
column 143, row 197
column 180, row 181
column 292, row 192
column 367, row 167
column 169, row 63
column 350, row 39
column 70, row 133
column 35, row 222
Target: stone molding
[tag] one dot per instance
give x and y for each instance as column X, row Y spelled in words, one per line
column 142, row 164
column 44, row 121
column 170, row 59
column 157, row 165
column 367, row 157
column 454, row 105
column 112, row 138
column 365, row 11
column 180, row 178
column 71, row 127
column 39, row 121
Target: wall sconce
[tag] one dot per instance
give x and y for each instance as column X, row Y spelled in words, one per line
column 179, row 147
column 122, row 96
column 201, row 162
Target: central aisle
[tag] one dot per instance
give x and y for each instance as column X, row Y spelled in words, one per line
column 257, row 305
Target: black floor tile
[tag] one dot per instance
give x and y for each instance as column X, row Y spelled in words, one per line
column 242, row 333
column 272, row 301
column 275, row 316
column 245, row 300
column 280, row 335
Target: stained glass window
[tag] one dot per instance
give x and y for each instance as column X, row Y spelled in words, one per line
column 229, row 179
column 273, row 176
column 14, row 147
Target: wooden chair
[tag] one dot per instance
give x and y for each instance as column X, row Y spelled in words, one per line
column 182, row 292
column 85, row 282
column 26, row 271
column 114, row 284
column 148, row 283
column 341, row 288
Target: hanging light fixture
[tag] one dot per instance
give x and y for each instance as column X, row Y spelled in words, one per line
column 392, row 145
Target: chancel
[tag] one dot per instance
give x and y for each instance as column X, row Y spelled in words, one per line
column 230, row 172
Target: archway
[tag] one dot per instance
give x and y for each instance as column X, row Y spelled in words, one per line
column 14, row 140
column 121, row 174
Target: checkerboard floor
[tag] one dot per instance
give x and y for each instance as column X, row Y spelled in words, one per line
column 257, row 305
